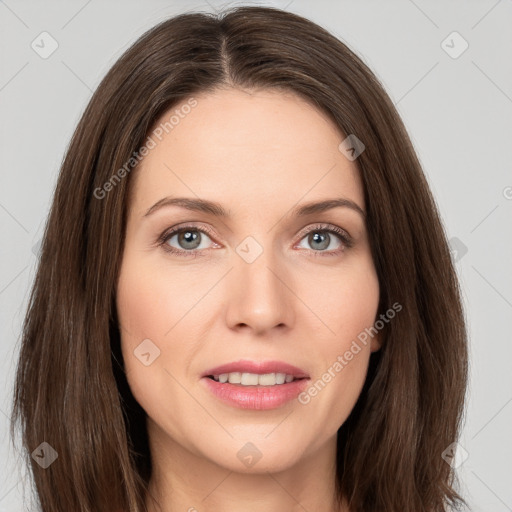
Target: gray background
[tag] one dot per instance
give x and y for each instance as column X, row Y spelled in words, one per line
column 458, row 113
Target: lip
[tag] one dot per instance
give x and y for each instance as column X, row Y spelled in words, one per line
column 256, row 397
column 261, row 367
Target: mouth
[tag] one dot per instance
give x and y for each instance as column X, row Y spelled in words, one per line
column 255, row 385
column 248, row 372
column 254, row 379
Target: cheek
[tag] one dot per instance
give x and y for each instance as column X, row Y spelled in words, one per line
column 144, row 314
column 146, row 298
column 352, row 314
column 346, row 302
column 153, row 303
column 137, row 309
column 348, row 306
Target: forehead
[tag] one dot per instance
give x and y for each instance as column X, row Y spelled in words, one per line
column 234, row 145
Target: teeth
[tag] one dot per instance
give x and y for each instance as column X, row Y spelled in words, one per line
column 268, row 379
column 280, row 378
column 254, row 379
column 234, row 378
column 249, row 379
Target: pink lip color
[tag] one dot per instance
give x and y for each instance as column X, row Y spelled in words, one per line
column 256, row 397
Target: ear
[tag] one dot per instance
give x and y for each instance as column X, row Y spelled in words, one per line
column 376, row 342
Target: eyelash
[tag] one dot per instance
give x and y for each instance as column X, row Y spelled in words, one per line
column 325, row 228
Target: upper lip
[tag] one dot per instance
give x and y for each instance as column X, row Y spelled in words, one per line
column 260, row 367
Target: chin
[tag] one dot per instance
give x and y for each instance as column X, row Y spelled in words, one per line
column 258, row 456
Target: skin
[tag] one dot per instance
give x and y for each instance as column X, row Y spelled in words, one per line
column 260, row 154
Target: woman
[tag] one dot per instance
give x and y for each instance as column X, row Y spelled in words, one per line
column 245, row 297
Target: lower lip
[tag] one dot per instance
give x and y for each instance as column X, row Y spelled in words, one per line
column 256, row 397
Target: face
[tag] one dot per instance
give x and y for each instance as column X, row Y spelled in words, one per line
column 268, row 288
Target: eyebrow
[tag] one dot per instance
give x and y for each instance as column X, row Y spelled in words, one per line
column 216, row 209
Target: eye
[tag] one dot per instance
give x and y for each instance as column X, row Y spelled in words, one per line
column 189, row 240
column 320, row 238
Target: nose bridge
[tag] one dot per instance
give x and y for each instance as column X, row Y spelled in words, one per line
column 260, row 297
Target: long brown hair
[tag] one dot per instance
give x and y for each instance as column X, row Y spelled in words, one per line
column 70, row 388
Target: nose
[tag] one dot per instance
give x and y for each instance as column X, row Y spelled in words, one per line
column 259, row 295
